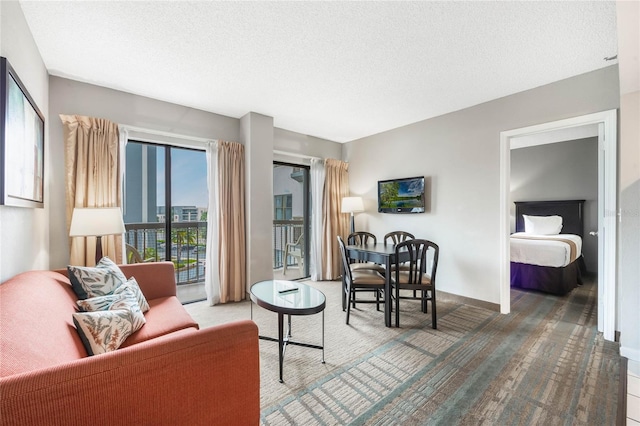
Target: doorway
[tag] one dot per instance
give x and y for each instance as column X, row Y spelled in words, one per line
column 606, row 123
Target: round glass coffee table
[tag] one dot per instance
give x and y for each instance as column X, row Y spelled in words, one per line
column 288, row 298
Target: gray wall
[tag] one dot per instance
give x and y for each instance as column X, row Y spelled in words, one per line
column 72, row 97
column 24, row 236
column 459, row 153
column 561, row 171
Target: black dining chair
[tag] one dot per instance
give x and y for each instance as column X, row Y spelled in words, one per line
column 362, row 238
column 358, row 281
column 418, row 276
column 396, row 237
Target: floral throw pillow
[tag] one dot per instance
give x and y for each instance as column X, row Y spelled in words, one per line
column 103, row 331
column 125, row 299
column 100, row 280
column 133, row 286
column 116, row 317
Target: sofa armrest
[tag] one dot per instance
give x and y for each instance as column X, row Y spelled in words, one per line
column 156, row 279
column 209, row 376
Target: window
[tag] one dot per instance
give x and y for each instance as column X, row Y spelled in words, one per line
column 283, row 207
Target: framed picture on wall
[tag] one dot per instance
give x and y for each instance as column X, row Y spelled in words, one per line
column 21, row 143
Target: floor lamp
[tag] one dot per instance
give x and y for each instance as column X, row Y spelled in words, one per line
column 96, row 222
column 352, row 205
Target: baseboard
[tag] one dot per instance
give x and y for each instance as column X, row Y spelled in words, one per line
column 442, row 295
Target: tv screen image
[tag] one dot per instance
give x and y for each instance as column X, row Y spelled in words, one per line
column 401, row 195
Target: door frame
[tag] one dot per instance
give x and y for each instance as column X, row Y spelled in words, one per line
column 607, row 208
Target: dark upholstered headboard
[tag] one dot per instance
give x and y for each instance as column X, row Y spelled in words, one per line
column 570, row 210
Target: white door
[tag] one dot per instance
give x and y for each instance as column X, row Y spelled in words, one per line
column 607, row 226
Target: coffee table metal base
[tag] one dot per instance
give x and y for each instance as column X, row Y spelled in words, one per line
column 284, row 339
column 288, row 298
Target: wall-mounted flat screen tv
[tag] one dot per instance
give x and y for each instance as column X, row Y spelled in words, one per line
column 401, row 195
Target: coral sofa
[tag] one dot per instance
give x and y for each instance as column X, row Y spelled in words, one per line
column 168, row 372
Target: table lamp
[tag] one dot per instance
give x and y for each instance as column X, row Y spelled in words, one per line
column 96, row 222
column 352, row 205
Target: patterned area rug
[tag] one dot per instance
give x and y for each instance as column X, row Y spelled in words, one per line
column 542, row 364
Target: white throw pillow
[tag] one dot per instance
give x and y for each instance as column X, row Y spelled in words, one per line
column 542, row 225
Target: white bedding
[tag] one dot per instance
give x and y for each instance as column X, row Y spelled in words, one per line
column 542, row 250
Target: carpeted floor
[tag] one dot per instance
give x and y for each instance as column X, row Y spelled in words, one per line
column 542, row 364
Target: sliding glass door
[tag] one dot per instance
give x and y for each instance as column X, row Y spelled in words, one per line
column 291, row 233
column 165, row 211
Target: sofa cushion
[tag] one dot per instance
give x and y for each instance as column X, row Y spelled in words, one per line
column 165, row 316
column 132, row 284
column 100, row 280
column 37, row 329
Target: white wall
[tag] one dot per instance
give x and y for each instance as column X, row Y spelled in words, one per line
column 459, row 154
column 24, row 237
column 257, row 134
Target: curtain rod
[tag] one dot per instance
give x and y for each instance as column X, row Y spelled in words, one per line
column 162, row 133
column 291, row 154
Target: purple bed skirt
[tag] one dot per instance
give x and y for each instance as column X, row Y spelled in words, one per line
column 547, row 279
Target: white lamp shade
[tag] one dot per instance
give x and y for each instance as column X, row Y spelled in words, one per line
column 96, row 221
column 352, row 205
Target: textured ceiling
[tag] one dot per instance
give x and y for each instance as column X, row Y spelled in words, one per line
column 335, row 70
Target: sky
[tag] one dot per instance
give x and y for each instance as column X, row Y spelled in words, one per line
column 189, row 178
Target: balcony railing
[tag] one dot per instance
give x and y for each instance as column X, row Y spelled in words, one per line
column 188, row 244
column 285, row 231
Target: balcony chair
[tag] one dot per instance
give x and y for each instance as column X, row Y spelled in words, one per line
column 358, row 281
column 133, row 255
column 415, row 278
column 293, row 250
column 362, row 238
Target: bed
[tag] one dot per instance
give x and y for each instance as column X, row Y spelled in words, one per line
column 550, row 260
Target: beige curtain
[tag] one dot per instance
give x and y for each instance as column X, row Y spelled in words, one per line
column 92, row 179
column 231, row 229
column 334, row 223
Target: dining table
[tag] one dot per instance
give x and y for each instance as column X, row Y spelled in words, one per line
column 383, row 254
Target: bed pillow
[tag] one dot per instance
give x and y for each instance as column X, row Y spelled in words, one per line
column 542, row 225
column 100, row 280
